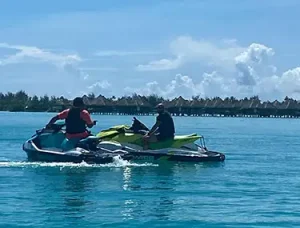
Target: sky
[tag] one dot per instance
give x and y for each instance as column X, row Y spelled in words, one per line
column 185, row 48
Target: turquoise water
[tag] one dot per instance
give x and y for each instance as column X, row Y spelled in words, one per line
column 257, row 186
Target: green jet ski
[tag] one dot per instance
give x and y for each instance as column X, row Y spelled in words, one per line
column 181, row 148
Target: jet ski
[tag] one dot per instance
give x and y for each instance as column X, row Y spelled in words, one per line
column 181, row 148
column 44, row 146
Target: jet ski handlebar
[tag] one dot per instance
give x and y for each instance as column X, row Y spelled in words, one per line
column 53, row 128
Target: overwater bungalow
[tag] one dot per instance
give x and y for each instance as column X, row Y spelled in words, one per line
column 100, row 104
column 145, row 105
column 132, row 106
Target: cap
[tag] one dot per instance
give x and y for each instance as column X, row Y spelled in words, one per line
column 78, row 101
column 160, row 105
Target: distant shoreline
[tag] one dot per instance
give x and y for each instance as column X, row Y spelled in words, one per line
column 137, row 105
column 153, row 114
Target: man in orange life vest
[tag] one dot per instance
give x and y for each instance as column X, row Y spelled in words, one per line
column 76, row 119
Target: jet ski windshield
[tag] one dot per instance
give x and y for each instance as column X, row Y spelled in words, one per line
column 55, row 127
column 138, row 127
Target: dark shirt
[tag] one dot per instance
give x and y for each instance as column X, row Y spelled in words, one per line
column 76, row 120
column 166, row 128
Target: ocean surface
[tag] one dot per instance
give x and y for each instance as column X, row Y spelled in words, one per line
column 258, row 185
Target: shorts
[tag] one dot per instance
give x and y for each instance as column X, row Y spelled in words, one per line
column 69, row 144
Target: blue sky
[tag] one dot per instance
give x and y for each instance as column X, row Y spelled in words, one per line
column 205, row 47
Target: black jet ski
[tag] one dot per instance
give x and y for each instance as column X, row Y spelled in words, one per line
column 44, row 146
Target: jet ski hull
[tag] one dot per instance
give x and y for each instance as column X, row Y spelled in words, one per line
column 44, row 146
column 52, row 156
column 167, row 154
column 209, row 156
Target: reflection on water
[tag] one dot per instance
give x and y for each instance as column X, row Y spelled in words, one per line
column 126, row 178
column 163, row 207
column 69, row 189
column 152, row 191
column 133, row 209
column 74, row 194
column 79, row 193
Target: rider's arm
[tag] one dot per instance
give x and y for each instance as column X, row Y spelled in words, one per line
column 87, row 118
column 155, row 126
column 53, row 120
column 59, row 116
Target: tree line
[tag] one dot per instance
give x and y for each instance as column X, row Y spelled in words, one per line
column 21, row 101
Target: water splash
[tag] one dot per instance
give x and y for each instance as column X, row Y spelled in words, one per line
column 3, row 159
column 117, row 163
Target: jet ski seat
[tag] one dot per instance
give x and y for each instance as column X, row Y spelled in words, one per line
column 89, row 142
column 90, row 138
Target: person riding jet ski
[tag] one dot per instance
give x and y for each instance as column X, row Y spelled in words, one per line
column 164, row 126
column 76, row 119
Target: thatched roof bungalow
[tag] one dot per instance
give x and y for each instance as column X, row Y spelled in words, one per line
column 99, row 104
column 197, row 106
column 133, row 105
column 178, row 106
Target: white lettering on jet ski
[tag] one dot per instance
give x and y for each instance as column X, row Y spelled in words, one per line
column 148, row 158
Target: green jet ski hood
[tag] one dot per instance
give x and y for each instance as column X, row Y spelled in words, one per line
column 123, row 134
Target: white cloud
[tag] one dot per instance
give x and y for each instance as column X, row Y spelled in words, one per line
column 289, row 83
column 253, row 63
column 109, row 53
column 214, row 83
column 25, row 53
column 99, row 87
column 185, row 49
column 111, row 69
column 204, row 50
column 244, row 71
column 49, row 68
column 163, row 64
column 73, row 70
column 235, row 71
column 232, row 42
column 181, row 84
column 150, row 88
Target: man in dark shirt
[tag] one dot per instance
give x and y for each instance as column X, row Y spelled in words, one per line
column 164, row 126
